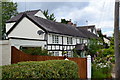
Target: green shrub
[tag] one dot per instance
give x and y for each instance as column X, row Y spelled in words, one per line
column 41, row 69
column 101, row 70
column 75, row 53
column 34, row 50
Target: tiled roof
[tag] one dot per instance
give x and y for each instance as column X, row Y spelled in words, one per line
column 55, row 27
column 51, row 26
column 17, row 17
column 87, row 33
column 87, row 27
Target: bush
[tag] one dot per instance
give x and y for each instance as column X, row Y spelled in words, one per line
column 41, row 69
column 75, row 53
column 101, row 70
column 34, row 50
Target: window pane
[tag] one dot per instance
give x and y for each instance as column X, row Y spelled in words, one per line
column 69, row 40
column 52, row 38
column 56, row 53
column 55, row 39
column 69, row 54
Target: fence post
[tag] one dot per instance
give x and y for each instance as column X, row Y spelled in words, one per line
column 89, row 66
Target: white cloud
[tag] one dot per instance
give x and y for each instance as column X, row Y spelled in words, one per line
column 108, row 33
column 97, row 12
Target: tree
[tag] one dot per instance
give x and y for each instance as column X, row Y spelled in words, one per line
column 101, row 37
column 64, row 21
column 93, row 46
column 9, row 9
column 49, row 17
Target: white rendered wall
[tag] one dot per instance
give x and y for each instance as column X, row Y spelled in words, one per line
column 106, row 41
column 9, row 25
column 60, row 39
column 26, row 29
column 5, row 54
column 60, row 53
column 64, row 40
column 26, row 43
column 78, row 41
column 74, row 40
column 49, row 38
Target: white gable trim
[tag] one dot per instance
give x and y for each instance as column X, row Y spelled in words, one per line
column 9, row 26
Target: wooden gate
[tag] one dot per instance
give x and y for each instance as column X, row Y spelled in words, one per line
column 19, row 56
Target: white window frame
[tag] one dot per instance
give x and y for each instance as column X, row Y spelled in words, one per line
column 69, row 40
column 69, row 54
column 81, row 41
column 55, row 39
column 56, row 53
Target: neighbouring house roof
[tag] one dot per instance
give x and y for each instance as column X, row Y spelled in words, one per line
column 92, row 27
column 51, row 26
column 88, row 27
column 80, row 47
column 17, row 17
column 87, row 33
column 109, row 38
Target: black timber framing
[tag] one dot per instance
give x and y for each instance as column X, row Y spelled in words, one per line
column 61, row 45
column 26, row 39
column 59, row 50
column 68, row 47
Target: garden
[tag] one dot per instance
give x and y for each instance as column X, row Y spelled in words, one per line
column 103, row 59
column 102, row 55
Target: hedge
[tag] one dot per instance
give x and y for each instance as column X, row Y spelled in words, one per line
column 41, row 69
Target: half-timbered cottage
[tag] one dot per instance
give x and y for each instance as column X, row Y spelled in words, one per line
column 32, row 29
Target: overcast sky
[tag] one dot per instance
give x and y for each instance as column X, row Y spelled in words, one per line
column 99, row 13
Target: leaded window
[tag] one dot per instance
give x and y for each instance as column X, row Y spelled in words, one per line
column 69, row 40
column 55, row 39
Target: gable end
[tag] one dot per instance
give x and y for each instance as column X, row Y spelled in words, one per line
column 24, row 15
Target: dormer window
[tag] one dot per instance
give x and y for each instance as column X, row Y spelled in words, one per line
column 89, row 30
column 40, row 14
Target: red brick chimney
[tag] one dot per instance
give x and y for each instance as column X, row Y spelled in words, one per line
column 75, row 25
column 70, row 23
